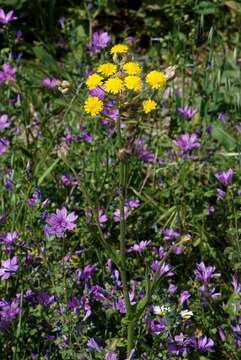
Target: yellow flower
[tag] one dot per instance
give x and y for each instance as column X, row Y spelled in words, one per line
column 114, row 85
column 156, row 79
column 93, row 105
column 133, row 82
column 132, row 68
column 107, row 69
column 149, row 105
column 119, row 49
column 93, row 81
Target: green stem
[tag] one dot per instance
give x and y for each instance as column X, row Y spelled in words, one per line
column 123, row 186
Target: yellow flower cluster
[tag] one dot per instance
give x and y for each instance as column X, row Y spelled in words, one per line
column 115, row 79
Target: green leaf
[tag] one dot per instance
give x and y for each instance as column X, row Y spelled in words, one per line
column 46, row 58
column 47, row 172
column 205, row 8
column 222, row 136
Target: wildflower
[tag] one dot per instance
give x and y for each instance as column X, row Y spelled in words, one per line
column 186, row 112
column 156, row 79
column 172, row 289
column 44, row 299
column 186, row 314
column 9, row 311
column 4, row 121
column 133, row 203
column 225, row 178
column 185, row 295
column 6, row 18
column 92, row 345
column 111, row 111
column 9, row 240
column 161, row 310
column 117, row 214
column 222, row 117
column 98, row 91
column 203, row 344
column 102, row 217
column 58, row 223
column 170, row 234
column 107, row 69
column 235, row 283
column 100, row 40
column 87, row 273
column 132, row 68
column 133, row 82
column 149, row 105
column 4, row 144
column 187, row 142
column 8, row 267
column 7, row 73
column 220, row 194
column 93, row 105
column 110, row 356
column 49, row 83
column 205, row 274
column 93, row 81
column 119, row 49
column 114, row 85
column 157, row 326
column 139, row 248
column 180, row 345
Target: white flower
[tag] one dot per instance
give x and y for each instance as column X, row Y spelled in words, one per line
column 161, row 310
column 186, row 314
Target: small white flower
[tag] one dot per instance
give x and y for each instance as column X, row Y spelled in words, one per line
column 161, row 310
column 186, row 314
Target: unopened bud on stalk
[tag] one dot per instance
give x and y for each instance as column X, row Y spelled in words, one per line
column 170, row 72
column 123, row 155
column 63, row 86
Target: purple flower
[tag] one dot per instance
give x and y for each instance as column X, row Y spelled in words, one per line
column 92, row 345
column 100, row 40
column 49, row 83
column 98, row 293
column 203, row 344
column 133, row 203
column 211, row 209
column 4, row 121
column 186, row 112
column 87, row 273
column 61, row 21
column 74, row 305
column 103, row 218
column 6, row 18
column 43, row 298
column 59, row 222
column 172, row 289
column 225, row 178
column 117, row 214
column 185, row 295
column 8, row 311
column 143, row 153
column 4, row 144
column 187, row 142
column 140, row 247
column 157, row 326
column 205, row 274
column 221, row 333
column 110, row 356
column 236, row 284
column 99, row 92
column 222, row 117
column 9, row 240
column 170, row 234
column 7, row 74
column 163, row 269
column 180, row 345
column 220, row 194
column 8, row 267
